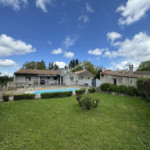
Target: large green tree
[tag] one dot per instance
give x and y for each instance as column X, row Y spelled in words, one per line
column 90, row 67
column 29, row 65
column 144, row 66
column 34, row 65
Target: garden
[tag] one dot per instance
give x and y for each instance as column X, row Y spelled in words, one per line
column 85, row 121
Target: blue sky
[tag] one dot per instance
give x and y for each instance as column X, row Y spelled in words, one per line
column 109, row 33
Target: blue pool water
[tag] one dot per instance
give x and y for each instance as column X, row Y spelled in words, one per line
column 57, row 90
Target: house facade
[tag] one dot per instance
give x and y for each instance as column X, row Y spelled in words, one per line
column 120, row 79
column 67, row 77
column 84, row 74
column 37, row 77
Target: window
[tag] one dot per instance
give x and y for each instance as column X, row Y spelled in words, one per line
column 71, row 79
column 28, row 78
column 48, row 77
column 55, row 78
column 81, row 77
column 115, row 81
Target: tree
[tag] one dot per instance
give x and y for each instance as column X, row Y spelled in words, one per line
column 73, row 63
column 99, row 69
column 76, row 62
column 29, row 65
column 144, row 66
column 56, row 66
column 70, row 65
column 40, row 66
column 79, row 68
column 91, row 67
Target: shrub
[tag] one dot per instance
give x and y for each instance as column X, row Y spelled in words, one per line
column 105, row 86
column 78, row 97
column 88, row 102
column 56, row 94
column 131, row 91
column 121, row 89
column 92, row 90
column 109, row 87
column 24, row 96
column 80, row 92
column 148, row 90
column 141, row 87
column 6, row 97
column 113, row 88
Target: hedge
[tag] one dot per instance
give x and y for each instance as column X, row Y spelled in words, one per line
column 130, row 90
column 24, row 96
column 56, row 94
column 6, row 97
column 91, row 90
column 80, row 92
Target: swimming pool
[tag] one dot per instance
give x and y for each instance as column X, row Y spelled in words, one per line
column 55, row 90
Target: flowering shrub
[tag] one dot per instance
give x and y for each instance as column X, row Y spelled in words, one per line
column 78, row 97
column 88, row 102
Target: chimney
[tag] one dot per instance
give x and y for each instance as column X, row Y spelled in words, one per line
column 130, row 69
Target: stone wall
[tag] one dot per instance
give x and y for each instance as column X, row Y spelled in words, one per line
column 86, row 75
column 128, row 81
column 67, row 76
column 15, row 85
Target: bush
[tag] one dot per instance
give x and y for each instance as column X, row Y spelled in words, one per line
column 24, row 96
column 141, row 87
column 88, row 102
column 131, row 91
column 56, row 94
column 91, row 90
column 78, row 97
column 113, row 88
column 109, row 87
column 80, row 92
column 148, row 90
column 121, row 89
column 6, row 97
column 105, row 86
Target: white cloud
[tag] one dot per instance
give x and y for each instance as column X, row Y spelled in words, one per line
column 69, row 41
column 63, row 18
column 49, row 42
column 7, row 63
column 97, row 51
column 68, row 54
column 15, row 4
column 89, row 8
column 57, row 51
column 10, row 46
column 133, row 11
column 85, row 18
column 137, row 49
column 42, row 4
column 113, row 36
column 60, row 64
column 124, row 65
column 5, row 73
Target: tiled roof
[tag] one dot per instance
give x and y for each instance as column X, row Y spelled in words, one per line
column 141, row 73
column 118, row 71
column 120, row 75
column 78, row 72
column 32, row 71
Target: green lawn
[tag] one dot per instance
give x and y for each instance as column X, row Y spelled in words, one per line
column 55, row 124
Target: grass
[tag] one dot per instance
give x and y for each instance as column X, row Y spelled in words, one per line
column 60, row 124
